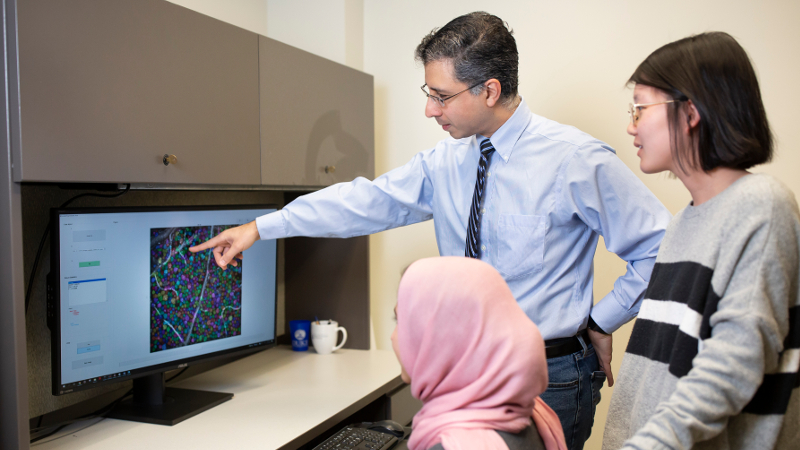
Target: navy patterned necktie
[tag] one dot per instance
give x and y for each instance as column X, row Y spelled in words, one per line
column 474, row 226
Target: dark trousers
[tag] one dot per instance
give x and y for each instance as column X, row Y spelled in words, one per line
column 574, row 392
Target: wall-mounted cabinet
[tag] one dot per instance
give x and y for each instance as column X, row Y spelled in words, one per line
column 316, row 118
column 106, row 89
column 99, row 91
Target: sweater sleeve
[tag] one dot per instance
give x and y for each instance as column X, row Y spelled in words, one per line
column 756, row 278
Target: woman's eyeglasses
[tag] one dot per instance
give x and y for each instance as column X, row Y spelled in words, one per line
column 635, row 108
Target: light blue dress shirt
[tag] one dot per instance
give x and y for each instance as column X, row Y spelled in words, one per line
column 551, row 190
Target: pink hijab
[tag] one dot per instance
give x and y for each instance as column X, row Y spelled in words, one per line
column 475, row 359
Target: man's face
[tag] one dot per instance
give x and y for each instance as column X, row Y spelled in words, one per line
column 462, row 116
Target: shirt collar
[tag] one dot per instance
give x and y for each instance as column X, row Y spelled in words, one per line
column 506, row 137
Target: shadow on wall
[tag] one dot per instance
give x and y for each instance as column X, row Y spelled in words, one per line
column 330, row 146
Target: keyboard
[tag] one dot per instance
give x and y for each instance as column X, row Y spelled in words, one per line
column 358, row 439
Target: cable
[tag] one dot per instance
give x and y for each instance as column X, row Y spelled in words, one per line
column 39, row 438
column 92, row 194
column 100, row 412
column 69, row 432
column 47, row 232
column 176, row 375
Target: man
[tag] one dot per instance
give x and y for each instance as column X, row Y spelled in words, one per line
column 543, row 194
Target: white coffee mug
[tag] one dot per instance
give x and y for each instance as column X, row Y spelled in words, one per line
column 324, row 334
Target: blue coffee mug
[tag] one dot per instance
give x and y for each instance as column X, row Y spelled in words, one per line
column 300, row 331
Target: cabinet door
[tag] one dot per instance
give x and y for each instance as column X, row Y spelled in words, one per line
column 317, row 124
column 107, row 88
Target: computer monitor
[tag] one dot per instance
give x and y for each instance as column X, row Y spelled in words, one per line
column 127, row 300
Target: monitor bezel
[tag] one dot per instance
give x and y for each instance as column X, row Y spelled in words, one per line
column 54, row 301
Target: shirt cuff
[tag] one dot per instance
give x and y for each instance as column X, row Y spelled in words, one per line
column 271, row 226
column 609, row 315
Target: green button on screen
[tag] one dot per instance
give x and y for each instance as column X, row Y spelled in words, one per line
column 89, row 264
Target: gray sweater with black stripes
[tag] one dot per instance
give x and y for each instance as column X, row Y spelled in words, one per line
column 714, row 357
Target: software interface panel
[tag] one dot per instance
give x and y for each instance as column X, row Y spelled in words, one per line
column 133, row 295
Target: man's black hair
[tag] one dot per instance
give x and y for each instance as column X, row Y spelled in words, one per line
column 481, row 47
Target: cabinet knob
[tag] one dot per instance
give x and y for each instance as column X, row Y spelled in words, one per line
column 170, row 159
column 330, row 169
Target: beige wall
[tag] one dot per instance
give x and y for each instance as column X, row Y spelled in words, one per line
column 248, row 14
column 333, row 29
column 574, row 59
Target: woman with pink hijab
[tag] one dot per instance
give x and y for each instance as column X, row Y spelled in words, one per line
column 473, row 358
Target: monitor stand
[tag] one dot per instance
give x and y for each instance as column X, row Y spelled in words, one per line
column 152, row 402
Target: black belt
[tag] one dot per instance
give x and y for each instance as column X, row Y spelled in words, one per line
column 554, row 348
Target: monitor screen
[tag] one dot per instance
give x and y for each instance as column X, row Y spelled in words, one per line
column 128, row 298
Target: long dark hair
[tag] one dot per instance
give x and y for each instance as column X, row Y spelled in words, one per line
column 714, row 72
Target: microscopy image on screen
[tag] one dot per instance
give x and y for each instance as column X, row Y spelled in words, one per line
column 191, row 299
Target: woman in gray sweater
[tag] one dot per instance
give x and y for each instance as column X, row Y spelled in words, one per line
column 714, row 355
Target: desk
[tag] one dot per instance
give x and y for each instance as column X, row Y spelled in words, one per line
column 282, row 399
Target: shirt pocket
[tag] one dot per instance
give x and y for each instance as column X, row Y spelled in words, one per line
column 520, row 244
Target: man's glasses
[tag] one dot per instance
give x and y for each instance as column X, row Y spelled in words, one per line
column 439, row 100
column 635, row 108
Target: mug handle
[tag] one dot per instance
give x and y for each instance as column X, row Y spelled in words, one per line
column 344, row 338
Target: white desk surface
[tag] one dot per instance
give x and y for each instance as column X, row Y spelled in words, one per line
column 279, row 395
